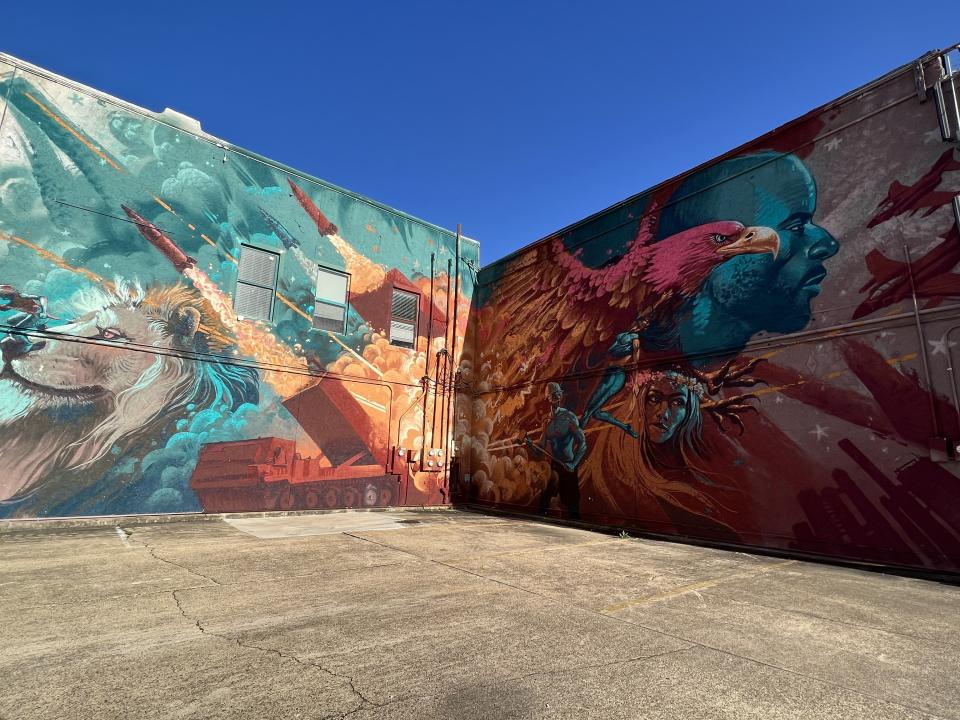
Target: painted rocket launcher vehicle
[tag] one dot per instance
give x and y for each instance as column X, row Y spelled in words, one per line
column 349, row 472
column 269, row 474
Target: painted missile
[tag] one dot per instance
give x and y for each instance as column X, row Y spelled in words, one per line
column 156, row 237
column 323, row 223
column 288, row 240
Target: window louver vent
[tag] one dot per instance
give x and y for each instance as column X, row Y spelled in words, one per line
column 257, row 267
column 256, row 283
column 403, row 318
column 254, row 302
column 404, row 306
column 330, row 306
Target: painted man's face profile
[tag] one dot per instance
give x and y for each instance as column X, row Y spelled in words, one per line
column 767, row 189
column 665, row 409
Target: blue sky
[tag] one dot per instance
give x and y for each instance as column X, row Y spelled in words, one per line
column 514, row 119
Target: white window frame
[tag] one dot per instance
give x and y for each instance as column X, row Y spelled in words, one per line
column 416, row 319
column 317, row 301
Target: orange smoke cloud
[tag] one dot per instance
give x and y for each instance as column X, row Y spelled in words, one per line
column 441, row 289
column 365, row 275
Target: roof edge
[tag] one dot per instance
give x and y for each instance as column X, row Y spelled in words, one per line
column 187, row 124
column 845, row 98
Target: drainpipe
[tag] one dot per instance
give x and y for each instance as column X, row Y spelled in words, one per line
column 923, row 344
column 425, row 380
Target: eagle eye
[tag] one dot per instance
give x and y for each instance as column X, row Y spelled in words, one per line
column 719, row 239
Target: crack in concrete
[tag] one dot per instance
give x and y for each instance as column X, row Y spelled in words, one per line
column 153, row 553
column 364, row 701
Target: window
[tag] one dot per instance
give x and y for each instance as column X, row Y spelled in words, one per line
column 256, row 283
column 403, row 318
column 330, row 307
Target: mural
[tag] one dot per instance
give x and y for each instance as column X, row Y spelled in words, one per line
column 759, row 352
column 734, row 356
column 128, row 381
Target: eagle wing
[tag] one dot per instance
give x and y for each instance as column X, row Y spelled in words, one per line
column 553, row 312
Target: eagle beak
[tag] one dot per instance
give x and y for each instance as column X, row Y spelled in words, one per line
column 753, row 240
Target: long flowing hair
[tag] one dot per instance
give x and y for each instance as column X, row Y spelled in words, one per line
column 687, row 441
column 620, row 471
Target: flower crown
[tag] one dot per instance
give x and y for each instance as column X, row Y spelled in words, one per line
column 675, row 378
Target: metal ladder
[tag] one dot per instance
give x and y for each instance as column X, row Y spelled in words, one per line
column 944, row 87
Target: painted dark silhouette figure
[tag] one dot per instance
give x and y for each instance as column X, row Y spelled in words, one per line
column 563, row 442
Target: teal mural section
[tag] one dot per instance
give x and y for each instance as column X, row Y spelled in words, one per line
column 124, row 359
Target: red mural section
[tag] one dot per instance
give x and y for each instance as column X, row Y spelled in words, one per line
column 757, row 353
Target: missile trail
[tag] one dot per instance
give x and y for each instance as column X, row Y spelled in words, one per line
column 366, row 275
column 55, row 259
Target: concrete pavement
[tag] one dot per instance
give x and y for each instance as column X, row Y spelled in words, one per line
column 447, row 614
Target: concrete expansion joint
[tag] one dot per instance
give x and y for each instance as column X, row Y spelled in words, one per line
column 153, row 553
column 696, row 587
column 783, row 668
column 690, row 642
column 835, row 621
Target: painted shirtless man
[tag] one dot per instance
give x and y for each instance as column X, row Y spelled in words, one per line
column 562, row 440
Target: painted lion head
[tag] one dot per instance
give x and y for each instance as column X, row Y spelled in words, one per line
column 127, row 365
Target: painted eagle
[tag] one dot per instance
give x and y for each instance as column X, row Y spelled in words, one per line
column 549, row 311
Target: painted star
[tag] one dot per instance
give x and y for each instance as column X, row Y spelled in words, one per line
column 76, row 99
column 779, row 400
column 820, row 432
column 941, row 346
column 833, row 143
